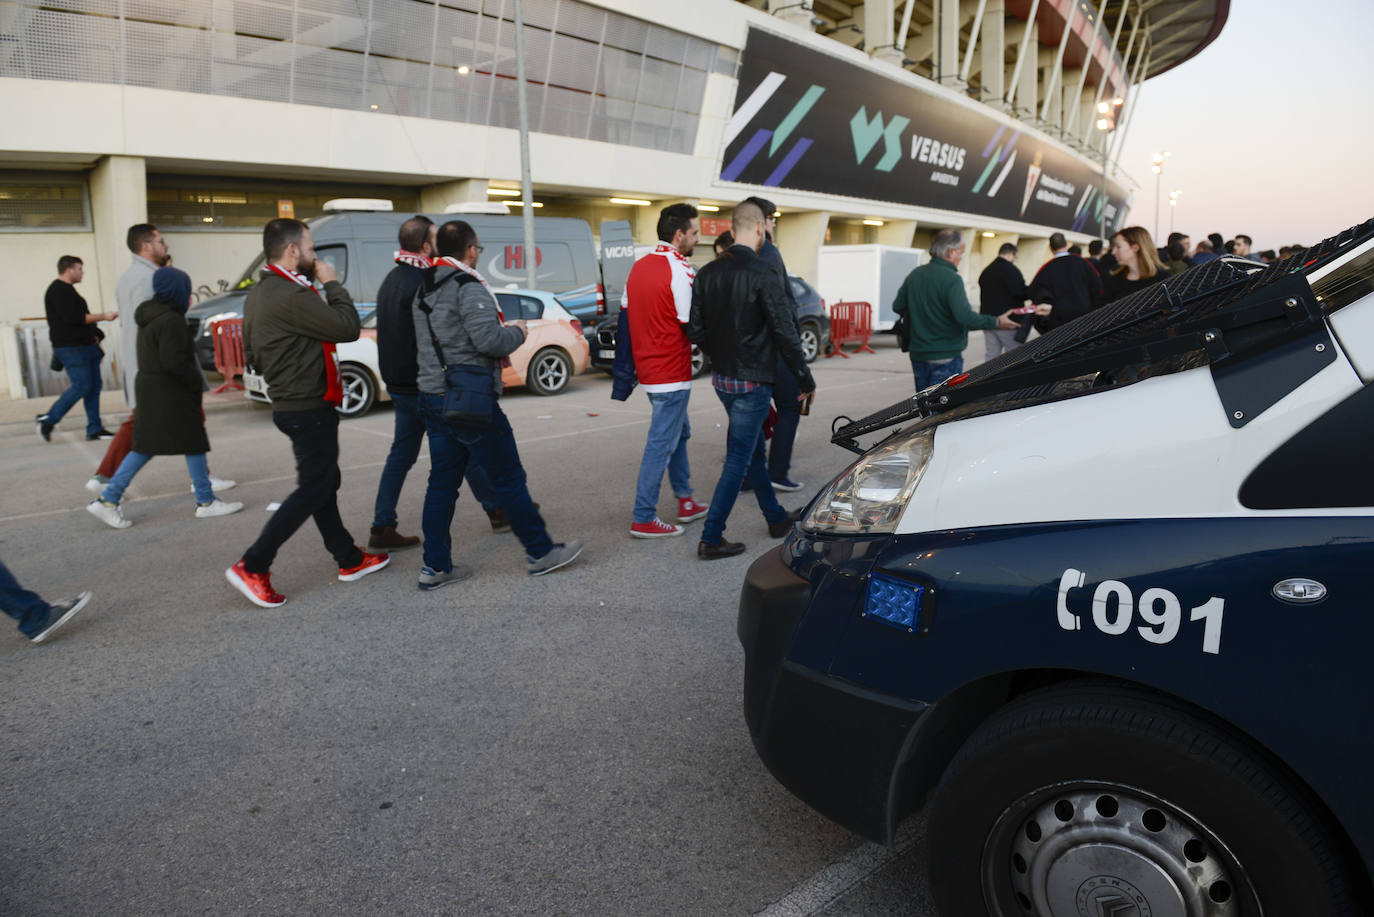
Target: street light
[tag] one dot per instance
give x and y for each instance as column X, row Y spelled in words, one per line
column 1106, row 122
column 1173, row 206
column 1158, row 169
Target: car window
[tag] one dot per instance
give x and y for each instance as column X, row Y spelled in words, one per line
column 798, row 288
column 336, row 256
column 514, row 306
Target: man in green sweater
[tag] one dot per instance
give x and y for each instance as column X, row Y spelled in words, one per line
column 938, row 314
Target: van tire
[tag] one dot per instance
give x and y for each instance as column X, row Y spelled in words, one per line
column 1021, row 819
column 549, row 372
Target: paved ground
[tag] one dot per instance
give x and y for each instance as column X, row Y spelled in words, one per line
column 571, row 744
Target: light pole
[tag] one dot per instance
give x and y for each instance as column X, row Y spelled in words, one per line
column 1158, row 169
column 1106, row 122
column 1173, row 206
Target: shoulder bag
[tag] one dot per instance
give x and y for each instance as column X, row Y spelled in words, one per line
column 469, row 391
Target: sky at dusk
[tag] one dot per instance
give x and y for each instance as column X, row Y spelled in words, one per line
column 1270, row 127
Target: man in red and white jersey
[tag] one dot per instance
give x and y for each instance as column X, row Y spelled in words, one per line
column 658, row 297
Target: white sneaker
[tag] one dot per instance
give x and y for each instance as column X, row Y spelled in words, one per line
column 218, row 484
column 108, row 513
column 95, row 485
column 216, row 508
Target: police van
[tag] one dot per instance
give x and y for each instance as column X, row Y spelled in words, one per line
column 1100, row 605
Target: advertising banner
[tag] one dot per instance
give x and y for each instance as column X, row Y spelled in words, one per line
column 807, row 121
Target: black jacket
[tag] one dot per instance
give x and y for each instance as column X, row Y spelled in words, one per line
column 168, row 385
column 67, row 312
column 396, row 329
column 1071, row 285
column 1002, row 287
column 741, row 319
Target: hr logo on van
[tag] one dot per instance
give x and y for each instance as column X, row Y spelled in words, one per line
column 515, row 257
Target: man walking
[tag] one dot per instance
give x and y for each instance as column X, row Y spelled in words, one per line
column 74, row 337
column 1001, row 288
column 741, row 320
column 459, row 323
column 1067, row 283
column 658, row 304
column 38, row 620
column 289, row 334
column 938, row 313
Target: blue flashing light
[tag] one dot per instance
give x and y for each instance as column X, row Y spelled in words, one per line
column 894, row 602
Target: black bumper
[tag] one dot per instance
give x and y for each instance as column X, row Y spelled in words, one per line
column 835, row 744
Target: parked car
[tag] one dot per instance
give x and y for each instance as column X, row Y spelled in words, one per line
column 361, row 247
column 1101, row 604
column 811, row 315
column 552, row 354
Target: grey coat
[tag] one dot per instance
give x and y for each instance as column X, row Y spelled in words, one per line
column 465, row 322
column 135, row 287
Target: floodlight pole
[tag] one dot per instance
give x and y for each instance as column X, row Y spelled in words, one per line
column 531, row 258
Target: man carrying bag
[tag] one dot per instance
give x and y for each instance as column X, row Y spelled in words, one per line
column 462, row 343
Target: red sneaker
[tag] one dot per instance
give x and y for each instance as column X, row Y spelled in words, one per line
column 256, row 587
column 371, row 563
column 689, row 510
column 655, row 529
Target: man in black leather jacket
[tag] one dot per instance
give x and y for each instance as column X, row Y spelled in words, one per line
column 742, row 320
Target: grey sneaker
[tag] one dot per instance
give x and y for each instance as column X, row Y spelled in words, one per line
column 60, row 613
column 433, row 579
column 560, row 556
column 108, row 513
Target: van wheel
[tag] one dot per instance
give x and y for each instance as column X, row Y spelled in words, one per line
column 810, row 342
column 549, row 372
column 359, row 390
column 1100, row 799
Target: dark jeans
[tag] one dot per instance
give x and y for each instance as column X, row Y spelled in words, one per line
column 405, row 449
column 315, row 442
column 743, row 455
column 83, row 369
column 928, row 374
column 19, row 603
column 453, row 450
column 785, row 393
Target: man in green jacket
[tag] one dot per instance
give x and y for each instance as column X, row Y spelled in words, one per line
column 938, row 314
column 289, row 333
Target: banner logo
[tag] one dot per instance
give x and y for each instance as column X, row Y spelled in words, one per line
column 866, row 134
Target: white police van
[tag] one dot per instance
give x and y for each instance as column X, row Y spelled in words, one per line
column 1104, row 604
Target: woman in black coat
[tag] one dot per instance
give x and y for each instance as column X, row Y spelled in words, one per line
column 169, row 420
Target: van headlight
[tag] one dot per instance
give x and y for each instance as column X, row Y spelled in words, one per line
column 870, row 496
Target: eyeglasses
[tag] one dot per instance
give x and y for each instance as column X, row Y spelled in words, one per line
column 479, row 248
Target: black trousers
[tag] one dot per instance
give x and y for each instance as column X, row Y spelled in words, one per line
column 315, row 442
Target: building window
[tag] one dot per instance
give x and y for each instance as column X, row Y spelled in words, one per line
column 44, row 202
column 182, row 203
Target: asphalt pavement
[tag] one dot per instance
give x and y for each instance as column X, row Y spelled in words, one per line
column 567, row 744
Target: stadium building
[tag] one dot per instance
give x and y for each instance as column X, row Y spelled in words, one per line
column 875, row 122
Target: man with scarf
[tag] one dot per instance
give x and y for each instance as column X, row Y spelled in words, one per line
column 658, row 304
column 459, row 323
column 289, row 334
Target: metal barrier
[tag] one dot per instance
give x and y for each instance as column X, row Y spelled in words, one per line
column 229, row 358
column 850, row 323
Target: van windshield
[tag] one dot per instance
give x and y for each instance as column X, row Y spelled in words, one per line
column 250, row 276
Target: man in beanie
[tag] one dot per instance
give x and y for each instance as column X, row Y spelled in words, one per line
column 289, row 334
column 168, row 388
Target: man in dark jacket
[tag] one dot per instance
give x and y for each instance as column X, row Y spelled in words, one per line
column 289, row 334
column 1001, row 288
column 742, row 321
column 1067, row 283
column 74, row 337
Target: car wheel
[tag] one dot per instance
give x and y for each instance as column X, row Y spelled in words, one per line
column 549, row 372
column 1099, row 799
column 359, row 390
column 810, row 342
column 699, row 361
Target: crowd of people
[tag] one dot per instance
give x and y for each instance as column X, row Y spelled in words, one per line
column 935, row 317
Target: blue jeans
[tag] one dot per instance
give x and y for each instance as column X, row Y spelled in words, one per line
column 743, row 455
column 133, row 463
column 83, row 369
column 405, row 449
column 452, row 450
column 927, row 374
column 26, row 607
column 665, row 447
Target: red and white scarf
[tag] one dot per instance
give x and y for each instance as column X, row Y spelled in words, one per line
column 458, row 265
column 665, row 249
column 414, row 259
column 333, row 387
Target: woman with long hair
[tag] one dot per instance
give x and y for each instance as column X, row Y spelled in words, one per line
column 1138, row 264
